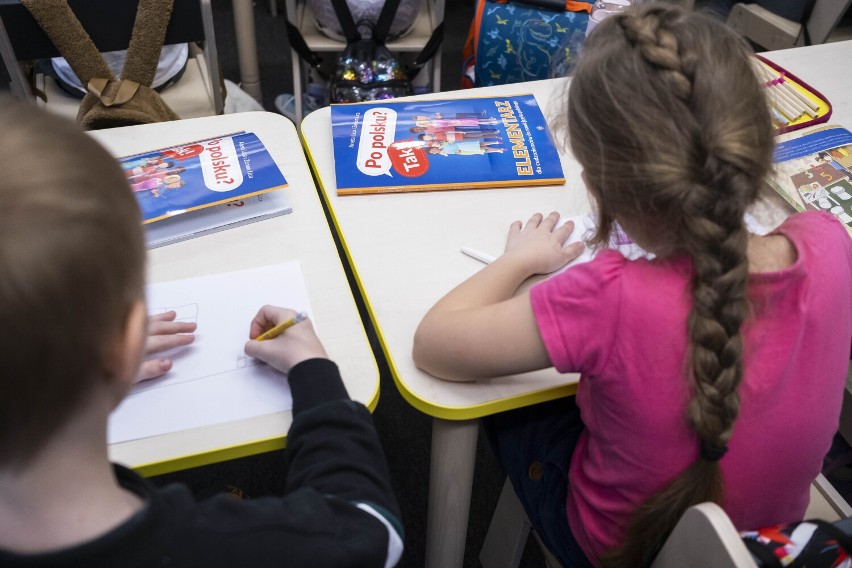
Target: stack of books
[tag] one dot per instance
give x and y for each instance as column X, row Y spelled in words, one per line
column 205, row 186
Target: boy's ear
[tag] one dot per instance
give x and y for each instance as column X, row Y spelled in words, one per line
column 126, row 351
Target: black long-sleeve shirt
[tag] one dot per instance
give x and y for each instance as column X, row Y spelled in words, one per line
column 338, row 511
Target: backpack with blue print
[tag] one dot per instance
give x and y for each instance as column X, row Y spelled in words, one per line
column 515, row 41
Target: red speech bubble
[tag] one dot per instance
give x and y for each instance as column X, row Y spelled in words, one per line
column 408, row 161
column 183, row 152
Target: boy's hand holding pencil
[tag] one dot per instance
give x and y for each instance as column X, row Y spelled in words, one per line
column 282, row 338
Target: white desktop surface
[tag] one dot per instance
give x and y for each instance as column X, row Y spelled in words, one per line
column 404, row 249
column 302, row 235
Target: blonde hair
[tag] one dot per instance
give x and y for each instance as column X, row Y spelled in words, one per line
column 72, row 262
column 672, row 128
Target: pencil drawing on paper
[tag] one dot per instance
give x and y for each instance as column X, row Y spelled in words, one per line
column 185, row 313
column 188, row 366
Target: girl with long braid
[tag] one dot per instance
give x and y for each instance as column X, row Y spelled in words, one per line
column 713, row 372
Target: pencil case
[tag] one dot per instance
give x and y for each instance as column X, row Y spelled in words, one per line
column 774, row 75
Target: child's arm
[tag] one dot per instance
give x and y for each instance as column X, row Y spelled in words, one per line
column 338, row 475
column 163, row 334
column 481, row 329
column 297, row 344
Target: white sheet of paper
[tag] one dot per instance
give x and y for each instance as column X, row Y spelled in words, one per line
column 212, row 380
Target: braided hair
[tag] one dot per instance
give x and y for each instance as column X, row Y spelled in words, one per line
column 672, row 128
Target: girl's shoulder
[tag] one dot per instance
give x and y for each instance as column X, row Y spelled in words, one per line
column 817, row 231
column 813, row 223
column 610, row 268
column 822, row 244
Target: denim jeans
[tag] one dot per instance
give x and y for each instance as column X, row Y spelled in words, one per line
column 534, row 446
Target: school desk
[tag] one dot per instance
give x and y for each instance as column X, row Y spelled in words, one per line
column 404, row 251
column 302, row 235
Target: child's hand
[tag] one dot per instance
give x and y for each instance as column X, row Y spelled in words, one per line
column 541, row 247
column 163, row 334
column 299, row 343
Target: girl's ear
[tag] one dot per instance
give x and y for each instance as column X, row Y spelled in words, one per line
column 125, row 356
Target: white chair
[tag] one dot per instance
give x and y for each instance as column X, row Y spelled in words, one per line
column 198, row 92
column 771, row 31
column 298, row 13
column 704, row 537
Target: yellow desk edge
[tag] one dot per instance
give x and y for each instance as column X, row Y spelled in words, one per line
column 421, row 404
column 256, row 447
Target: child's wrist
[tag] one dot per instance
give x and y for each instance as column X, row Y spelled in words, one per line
column 521, row 265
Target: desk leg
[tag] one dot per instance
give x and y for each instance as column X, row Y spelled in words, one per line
column 247, row 48
column 450, row 485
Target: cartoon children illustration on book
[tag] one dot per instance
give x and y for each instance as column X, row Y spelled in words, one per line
column 824, row 182
column 146, row 167
column 463, row 119
column 155, row 174
column 465, row 148
column 157, row 184
column 457, row 135
column 465, row 134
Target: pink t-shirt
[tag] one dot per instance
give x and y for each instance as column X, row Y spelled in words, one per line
column 622, row 324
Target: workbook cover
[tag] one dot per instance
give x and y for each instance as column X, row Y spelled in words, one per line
column 201, row 174
column 468, row 143
column 813, row 171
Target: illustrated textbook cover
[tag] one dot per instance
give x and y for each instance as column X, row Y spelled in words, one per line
column 394, row 146
column 813, row 171
column 201, row 174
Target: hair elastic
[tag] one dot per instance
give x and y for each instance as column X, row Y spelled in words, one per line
column 712, row 452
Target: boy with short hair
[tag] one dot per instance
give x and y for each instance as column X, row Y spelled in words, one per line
column 73, row 330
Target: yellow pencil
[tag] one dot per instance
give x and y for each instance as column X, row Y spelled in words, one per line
column 281, row 327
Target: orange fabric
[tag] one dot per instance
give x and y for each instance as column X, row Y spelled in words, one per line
column 572, row 6
column 470, row 44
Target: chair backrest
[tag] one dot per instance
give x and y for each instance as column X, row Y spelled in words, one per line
column 109, row 23
column 824, row 18
column 772, row 31
column 704, row 538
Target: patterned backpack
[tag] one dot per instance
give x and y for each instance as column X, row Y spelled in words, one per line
column 511, row 42
column 806, row 544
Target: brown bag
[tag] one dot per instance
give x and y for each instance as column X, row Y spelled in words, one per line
column 111, row 102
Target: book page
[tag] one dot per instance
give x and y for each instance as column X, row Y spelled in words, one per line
column 212, row 380
column 813, row 171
